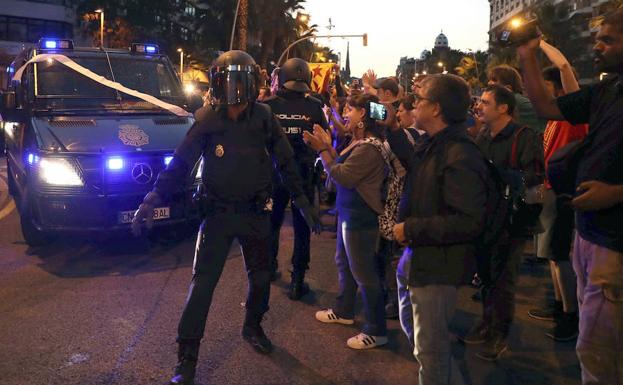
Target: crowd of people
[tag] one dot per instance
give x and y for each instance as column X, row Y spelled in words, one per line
column 441, row 190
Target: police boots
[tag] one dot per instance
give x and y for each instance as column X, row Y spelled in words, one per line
column 253, row 333
column 298, row 288
column 187, row 355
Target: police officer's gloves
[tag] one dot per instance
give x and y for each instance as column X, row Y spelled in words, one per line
column 309, row 213
column 145, row 213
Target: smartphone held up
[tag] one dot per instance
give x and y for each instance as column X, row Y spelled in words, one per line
column 378, row 111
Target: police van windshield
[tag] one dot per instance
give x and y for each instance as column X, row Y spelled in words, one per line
column 60, row 87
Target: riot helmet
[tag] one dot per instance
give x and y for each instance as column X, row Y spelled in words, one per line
column 295, row 75
column 234, row 78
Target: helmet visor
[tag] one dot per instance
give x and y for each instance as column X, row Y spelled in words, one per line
column 233, row 87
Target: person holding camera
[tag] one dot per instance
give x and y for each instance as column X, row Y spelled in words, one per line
column 595, row 166
column 358, row 172
column 443, row 213
column 557, row 216
column 516, row 152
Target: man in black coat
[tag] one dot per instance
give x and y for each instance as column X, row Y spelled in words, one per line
column 443, row 214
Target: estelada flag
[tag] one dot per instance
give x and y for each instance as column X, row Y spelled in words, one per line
column 321, row 76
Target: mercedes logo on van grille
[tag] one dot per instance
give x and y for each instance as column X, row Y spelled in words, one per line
column 142, row 173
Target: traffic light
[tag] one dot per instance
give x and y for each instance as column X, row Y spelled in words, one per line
column 365, row 39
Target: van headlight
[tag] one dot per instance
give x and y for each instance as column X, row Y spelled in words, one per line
column 58, row 172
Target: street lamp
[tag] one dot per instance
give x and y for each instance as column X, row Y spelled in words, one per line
column 283, row 54
column 442, row 65
column 181, row 51
column 101, row 12
column 302, row 18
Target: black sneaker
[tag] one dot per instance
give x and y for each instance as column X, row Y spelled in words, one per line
column 566, row 328
column 492, row 350
column 297, row 290
column 255, row 337
column 391, row 311
column 477, row 296
column 477, row 335
column 549, row 313
column 275, row 275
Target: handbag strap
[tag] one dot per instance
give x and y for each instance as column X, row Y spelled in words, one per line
column 514, row 163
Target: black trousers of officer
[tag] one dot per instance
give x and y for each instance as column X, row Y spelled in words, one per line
column 216, row 234
column 281, row 197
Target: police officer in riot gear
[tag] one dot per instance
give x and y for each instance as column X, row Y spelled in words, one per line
column 239, row 140
column 297, row 112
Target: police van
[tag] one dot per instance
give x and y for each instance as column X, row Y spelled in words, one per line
column 81, row 153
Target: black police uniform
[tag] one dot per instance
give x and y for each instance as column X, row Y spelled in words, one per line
column 296, row 113
column 237, row 172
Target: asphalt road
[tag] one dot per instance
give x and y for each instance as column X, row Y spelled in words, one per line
column 103, row 310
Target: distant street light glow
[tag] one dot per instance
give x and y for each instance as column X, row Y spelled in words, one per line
column 189, row 88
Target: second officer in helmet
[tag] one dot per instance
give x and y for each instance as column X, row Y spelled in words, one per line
column 297, row 112
column 239, row 141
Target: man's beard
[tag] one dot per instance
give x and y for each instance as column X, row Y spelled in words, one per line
column 603, row 64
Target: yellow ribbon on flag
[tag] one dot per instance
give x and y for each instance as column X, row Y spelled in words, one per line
column 321, row 76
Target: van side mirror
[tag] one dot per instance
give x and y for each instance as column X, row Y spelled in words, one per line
column 8, row 100
column 194, row 102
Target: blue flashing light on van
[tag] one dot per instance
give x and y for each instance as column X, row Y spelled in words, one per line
column 49, row 43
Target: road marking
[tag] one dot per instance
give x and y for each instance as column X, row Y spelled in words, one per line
column 76, row 359
column 7, row 210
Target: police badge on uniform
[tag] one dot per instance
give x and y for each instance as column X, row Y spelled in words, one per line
column 132, row 135
column 219, row 151
column 268, row 206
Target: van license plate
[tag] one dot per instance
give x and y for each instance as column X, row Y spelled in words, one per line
column 159, row 213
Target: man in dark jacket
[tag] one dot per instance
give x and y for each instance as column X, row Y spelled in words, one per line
column 444, row 214
column 514, row 150
column 297, row 112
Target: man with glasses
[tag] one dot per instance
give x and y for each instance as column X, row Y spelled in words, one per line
column 442, row 214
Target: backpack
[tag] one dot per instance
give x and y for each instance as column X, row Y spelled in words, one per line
column 507, row 207
column 526, row 203
column 498, row 204
column 391, row 189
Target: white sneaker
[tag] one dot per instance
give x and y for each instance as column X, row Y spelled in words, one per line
column 363, row 341
column 328, row 316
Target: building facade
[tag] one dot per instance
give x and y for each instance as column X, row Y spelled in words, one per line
column 410, row 67
column 576, row 13
column 23, row 23
column 405, row 72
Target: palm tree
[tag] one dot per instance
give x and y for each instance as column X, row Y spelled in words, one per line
column 472, row 69
column 274, row 27
column 608, row 7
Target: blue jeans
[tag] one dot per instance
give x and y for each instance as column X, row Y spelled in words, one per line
column 405, row 310
column 425, row 315
column 355, row 258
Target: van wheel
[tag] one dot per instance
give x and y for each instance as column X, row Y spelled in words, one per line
column 33, row 236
